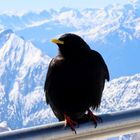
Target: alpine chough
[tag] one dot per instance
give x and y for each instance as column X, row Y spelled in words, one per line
column 75, row 80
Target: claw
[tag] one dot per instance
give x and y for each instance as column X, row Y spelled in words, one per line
column 94, row 118
column 70, row 123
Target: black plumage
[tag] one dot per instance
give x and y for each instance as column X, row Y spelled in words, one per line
column 75, row 78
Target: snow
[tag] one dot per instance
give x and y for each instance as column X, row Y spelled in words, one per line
column 23, row 67
column 38, row 23
column 4, row 127
column 121, row 94
column 94, row 18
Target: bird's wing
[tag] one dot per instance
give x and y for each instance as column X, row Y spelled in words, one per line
column 47, row 81
column 51, row 74
column 102, row 62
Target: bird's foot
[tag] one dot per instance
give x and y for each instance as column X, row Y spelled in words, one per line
column 70, row 123
column 94, row 118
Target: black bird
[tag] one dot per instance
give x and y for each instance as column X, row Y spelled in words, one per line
column 75, row 80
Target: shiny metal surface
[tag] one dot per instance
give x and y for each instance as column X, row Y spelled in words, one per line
column 113, row 124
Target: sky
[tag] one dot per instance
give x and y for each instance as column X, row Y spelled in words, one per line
column 32, row 5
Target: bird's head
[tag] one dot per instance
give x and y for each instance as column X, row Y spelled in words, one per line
column 71, row 45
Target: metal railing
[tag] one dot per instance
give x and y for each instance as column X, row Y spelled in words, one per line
column 114, row 124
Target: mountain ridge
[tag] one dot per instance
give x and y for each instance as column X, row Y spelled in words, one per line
column 23, row 67
column 113, row 31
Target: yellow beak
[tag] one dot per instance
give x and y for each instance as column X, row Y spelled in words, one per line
column 56, row 41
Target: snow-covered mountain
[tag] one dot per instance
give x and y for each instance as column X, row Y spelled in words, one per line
column 113, row 31
column 121, row 94
column 22, row 74
column 94, row 24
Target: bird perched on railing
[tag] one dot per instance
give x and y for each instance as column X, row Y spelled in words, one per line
column 75, row 80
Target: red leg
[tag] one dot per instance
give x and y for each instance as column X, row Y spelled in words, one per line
column 70, row 123
column 94, row 118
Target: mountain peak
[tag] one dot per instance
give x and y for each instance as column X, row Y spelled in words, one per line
column 23, row 69
column 16, row 48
